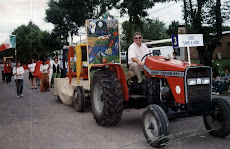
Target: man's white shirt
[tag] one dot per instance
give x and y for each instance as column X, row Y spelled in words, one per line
column 137, row 52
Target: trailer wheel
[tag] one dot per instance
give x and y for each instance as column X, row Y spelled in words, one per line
column 79, row 99
column 218, row 122
column 155, row 126
column 106, row 98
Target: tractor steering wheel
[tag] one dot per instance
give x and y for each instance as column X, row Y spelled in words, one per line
column 153, row 53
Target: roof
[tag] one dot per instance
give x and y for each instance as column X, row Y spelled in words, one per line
column 225, row 32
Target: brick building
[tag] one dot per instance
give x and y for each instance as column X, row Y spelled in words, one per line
column 221, row 51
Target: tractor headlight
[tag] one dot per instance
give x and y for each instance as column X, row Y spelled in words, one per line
column 191, row 81
column 197, row 81
column 205, row 80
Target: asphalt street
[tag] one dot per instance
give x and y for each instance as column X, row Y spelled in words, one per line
column 40, row 121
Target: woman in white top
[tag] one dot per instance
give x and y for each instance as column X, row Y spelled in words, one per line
column 44, row 68
column 32, row 78
column 18, row 72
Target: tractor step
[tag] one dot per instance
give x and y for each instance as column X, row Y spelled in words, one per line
column 136, row 97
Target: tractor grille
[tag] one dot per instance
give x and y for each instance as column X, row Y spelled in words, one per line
column 198, row 92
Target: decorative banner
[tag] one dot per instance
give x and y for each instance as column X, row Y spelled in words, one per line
column 187, row 40
column 71, row 62
column 9, row 43
column 103, row 41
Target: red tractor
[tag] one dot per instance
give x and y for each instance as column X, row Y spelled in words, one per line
column 171, row 89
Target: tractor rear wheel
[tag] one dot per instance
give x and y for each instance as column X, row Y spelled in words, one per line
column 218, row 122
column 155, row 126
column 106, row 98
column 79, row 99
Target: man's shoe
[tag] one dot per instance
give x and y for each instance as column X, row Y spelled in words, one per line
column 21, row 95
column 18, row 96
column 213, row 93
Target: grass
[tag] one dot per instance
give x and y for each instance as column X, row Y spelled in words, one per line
column 222, row 64
column 124, row 66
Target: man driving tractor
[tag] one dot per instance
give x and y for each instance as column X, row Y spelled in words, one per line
column 136, row 51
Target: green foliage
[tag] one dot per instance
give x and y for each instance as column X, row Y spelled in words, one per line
column 68, row 15
column 226, row 28
column 206, row 17
column 136, row 11
column 152, row 30
column 31, row 42
column 219, row 65
column 173, row 28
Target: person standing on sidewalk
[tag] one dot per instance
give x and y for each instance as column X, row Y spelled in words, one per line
column 18, row 72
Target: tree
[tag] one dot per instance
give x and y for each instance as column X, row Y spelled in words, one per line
column 206, row 17
column 226, row 28
column 61, row 20
column 136, row 10
column 152, row 30
column 68, row 15
column 34, row 43
column 173, row 28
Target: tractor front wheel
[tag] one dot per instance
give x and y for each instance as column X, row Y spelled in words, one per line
column 218, row 122
column 106, row 98
column 155, row 126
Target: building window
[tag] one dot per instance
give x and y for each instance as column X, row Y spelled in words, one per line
column 219, row 43
column 228, row 43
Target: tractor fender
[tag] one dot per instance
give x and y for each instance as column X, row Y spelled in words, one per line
column 120, row 74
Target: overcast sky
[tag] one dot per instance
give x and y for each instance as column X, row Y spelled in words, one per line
column 14, row 13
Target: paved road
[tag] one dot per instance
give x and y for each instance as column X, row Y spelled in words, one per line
column 40, row 121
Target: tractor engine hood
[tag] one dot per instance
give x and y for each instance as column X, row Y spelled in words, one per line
column 159, row 65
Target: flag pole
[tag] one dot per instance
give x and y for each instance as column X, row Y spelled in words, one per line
column 15, row 55
column 15, row 47
column 16, row 52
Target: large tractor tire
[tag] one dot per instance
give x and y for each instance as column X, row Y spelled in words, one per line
column 106, row 98
column 218, row 122
column 79, row 99
column 155, row 126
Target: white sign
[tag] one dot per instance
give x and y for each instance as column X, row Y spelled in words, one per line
column 190, row 40
column 187, row 40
